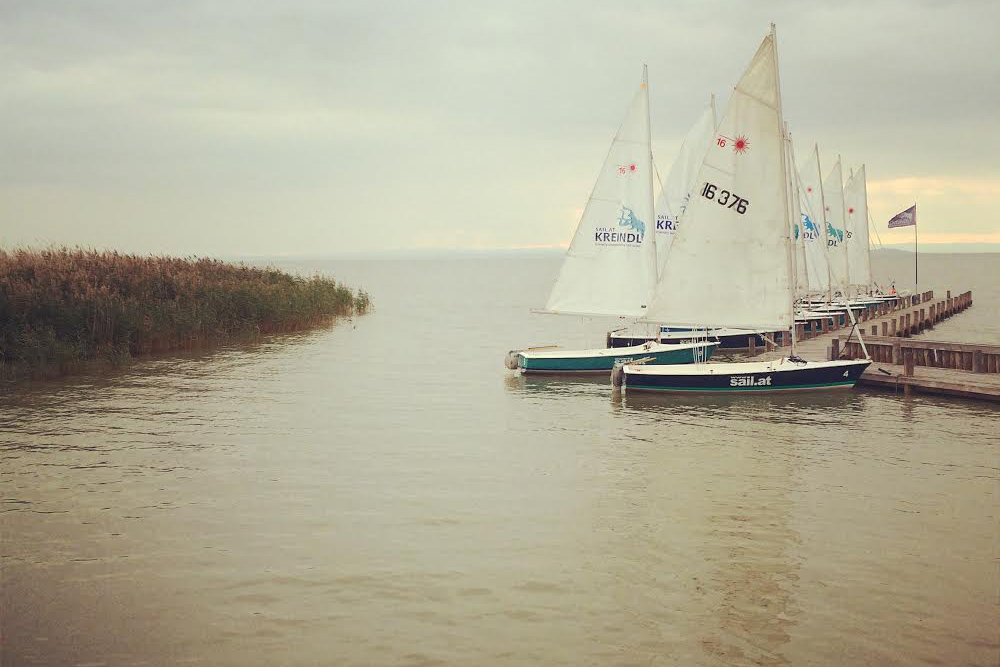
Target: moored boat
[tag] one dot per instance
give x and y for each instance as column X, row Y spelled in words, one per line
column 557, row 360
column 610, row 267
column 751, row 156
column 785, row 374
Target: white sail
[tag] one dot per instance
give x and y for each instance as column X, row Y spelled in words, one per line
column 798, row 228
column 858, row 258
column 813, row 218
column 610, row 266
column 729, row 263
column 836, row 234
column 676, row 192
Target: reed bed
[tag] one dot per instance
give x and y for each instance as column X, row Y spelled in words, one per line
column 62, row 308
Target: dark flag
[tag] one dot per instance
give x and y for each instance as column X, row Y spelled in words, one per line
column 904, row 219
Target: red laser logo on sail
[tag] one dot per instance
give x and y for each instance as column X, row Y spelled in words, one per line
column 741, row 144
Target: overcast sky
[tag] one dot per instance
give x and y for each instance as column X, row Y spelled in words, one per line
column 317, row 127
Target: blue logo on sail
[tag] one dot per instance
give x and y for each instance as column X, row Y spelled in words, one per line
column 811, row 230
column 627, row 219
column 636, row 230
column 834, row 236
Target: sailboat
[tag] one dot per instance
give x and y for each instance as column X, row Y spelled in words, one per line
column 610, row 268
column 740, row 219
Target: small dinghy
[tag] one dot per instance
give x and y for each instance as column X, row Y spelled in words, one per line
column 610, row 267
column 786, row 374
column 557, row 360
column 740, row 218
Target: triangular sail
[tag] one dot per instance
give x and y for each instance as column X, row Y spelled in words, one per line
column 836, row 233
column 676, row 192
column 813, row 216
column 729, row 263
column 858, row 258
column 798, row 226
column 610, row 266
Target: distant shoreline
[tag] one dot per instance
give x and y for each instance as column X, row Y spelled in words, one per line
column 462, row 253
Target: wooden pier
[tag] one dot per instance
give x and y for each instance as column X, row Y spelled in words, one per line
column 901, row 363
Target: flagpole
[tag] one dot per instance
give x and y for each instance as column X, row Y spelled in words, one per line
column 916, row 254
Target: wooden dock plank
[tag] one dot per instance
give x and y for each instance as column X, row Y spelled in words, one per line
column 929, row 380
column 905, row 322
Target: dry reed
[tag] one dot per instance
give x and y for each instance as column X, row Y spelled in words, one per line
column 60, row 307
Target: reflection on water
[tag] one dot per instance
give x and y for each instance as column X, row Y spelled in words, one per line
column 384, row 492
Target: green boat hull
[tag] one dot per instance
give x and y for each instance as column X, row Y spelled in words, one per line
column 604, row 364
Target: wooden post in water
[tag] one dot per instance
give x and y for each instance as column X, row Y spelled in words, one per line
column 897, row 353
column 752, row 346
column 875, row 329
column 908, row 363
column 834, row 349
column 885, row 329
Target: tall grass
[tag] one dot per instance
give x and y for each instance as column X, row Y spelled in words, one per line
column 60, row 308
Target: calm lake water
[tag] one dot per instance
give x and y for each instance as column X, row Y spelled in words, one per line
column 384, row 492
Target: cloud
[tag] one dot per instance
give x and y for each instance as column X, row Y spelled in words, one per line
column 304, row 125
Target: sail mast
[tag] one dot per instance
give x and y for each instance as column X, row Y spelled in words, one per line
column 653, row 269
column 800, row 251
column 782, row 131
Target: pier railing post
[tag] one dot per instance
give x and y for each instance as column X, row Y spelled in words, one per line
column 977, row 361
column 908, row 363
column 897, row 353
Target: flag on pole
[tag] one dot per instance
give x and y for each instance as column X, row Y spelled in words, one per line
column 905, row 219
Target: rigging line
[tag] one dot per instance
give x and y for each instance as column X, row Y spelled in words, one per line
column 872, row 224
column 656, row 171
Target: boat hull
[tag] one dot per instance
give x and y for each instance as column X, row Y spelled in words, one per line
column 601, row 361
column 726, row 342
column 752, row 377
